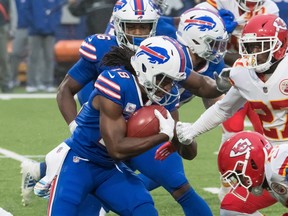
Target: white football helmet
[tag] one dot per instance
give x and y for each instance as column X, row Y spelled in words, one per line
column 250, row 5
column 159, row 61
column 203, row 31
column 131, row 11
column 263, row 34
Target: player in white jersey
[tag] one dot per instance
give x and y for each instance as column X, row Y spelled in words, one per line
column 236, row 14
column 259, row 78
column 253, row 167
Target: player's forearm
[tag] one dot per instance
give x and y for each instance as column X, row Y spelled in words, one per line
column 67, row 105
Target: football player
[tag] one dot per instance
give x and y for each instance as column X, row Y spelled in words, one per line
column 125, row 17
column 97, row 151
column 258, row 77
column 256, row 171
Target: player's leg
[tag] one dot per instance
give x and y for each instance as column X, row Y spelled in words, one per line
column 170, row 174
column 233, row 206
column 69, row 189
column 124, row 193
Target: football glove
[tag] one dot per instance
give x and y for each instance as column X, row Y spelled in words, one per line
column 222, row 80
column 183, row 131
column 164, row 151
column 166, row 125
column 228, row 18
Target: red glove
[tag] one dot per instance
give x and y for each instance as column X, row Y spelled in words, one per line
column 164, row 151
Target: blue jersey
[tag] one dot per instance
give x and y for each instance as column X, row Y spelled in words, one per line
column 119, row 86
column 92, row 50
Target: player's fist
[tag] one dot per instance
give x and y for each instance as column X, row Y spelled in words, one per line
column 166, row 125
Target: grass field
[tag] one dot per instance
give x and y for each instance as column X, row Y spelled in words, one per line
column 32, row 127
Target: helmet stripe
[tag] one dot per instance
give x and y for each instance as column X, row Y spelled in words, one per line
column 139, row 7
column 180, row 51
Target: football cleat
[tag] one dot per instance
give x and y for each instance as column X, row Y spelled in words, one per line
column 30, row 171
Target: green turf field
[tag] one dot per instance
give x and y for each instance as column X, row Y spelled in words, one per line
column 33, row 127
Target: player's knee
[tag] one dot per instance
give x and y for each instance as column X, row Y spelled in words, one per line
column 178, row 193
column 145, row 209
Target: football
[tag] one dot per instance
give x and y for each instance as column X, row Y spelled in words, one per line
column 143, row 122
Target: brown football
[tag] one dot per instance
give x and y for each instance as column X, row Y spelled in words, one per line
column 143, row 122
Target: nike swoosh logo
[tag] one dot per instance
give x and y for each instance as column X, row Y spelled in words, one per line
column 89, row 39
column 112, row 76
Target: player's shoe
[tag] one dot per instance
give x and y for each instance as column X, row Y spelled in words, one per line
column 30, row 171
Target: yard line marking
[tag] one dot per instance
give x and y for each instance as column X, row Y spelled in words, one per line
column 13, row 155
column 27, row 156
column 212, row 190
column 4, row 213
column 27, row 96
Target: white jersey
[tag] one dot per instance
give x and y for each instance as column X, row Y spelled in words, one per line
column 269, row 7
column 276, row 173
column 269, row 100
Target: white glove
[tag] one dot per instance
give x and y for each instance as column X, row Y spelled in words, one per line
column 72, row 126
column 166, row 125
column 184, row 134
column 222, row 80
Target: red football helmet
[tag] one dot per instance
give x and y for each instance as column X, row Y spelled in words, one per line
column 268, row 33
column 250, row 5
column 241, row 161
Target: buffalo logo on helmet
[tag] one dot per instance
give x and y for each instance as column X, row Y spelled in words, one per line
column 204, row 23
column 156, row 54
column 241, row 147
column 119, row 5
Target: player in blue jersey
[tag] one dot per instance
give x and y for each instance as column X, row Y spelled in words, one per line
column 98, row 144
column 203, row 32
column 198, row 84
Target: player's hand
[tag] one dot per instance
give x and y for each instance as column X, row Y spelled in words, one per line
column 183, row 131
column 228, row 18
column 164, row 151
column 166, row 125
column 42, row 189
column 222, row 80
column 72, row 126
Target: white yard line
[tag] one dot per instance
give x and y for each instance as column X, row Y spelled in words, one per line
column 12, row 155
column 212, row 190
column 27, row 96
column 4, row 213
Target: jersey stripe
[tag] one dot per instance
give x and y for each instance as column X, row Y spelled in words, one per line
column 107, row 91
column 88, row 55
column 89, row 46
column 109, row 82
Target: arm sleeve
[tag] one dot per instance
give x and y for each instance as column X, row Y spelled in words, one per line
column 218, row 113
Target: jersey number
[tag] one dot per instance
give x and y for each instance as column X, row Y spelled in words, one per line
column 266, row 115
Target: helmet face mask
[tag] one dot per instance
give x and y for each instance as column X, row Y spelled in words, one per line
column 263, row 42
column 140, row 15
column 250, row 5
column 159, row 64
column 241, row 161
column 204, row 33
